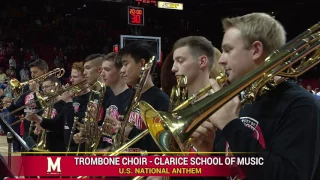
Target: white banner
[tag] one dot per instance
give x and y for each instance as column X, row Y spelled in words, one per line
column 170, row 5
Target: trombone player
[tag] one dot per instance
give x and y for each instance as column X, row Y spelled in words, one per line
column 118, row 102
column 92, row 70
column 133, row 57
column 283, row 125
column 77, row 101
column 53, row 122
column 194, row 57
column 38, row 67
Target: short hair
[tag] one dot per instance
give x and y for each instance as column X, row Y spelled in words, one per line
column 199, row 45
column 78, row 66
column 113, row 57
column 138, row 50
column 258, row 27
column 41, row 64
column 167, row 77
column 93, row 56
column 53, row 79
column 216, row 68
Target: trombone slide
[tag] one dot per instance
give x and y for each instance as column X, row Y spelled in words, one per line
column 130, row 143
column 72, row 132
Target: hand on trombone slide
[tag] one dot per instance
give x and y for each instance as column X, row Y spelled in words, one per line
column 108, row 128
column 92, row 109
column 79, row 138
column 111, row 121
column 203, row 137
column 33, row 86
column 38, row 130
column 227, row 112
column 117, row 125
column 34, row 118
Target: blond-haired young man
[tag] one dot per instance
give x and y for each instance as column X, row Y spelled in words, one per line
column 284, row 124
column 194, row 57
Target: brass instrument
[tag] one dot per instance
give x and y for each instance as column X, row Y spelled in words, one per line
column 221, row 79
column 178, row 93
column 91, row 131
column 17, row 87
column 46, row 100
column 107, row 128
column 41, row 145
column 48, row 109
column 172, row 131
column 118, row 139
column 75, row 120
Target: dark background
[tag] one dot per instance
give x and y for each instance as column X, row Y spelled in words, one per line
column 199, row 17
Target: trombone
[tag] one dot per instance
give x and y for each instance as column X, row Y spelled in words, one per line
column 178, row 94
column 221, row 79
column 17, row 87
column 119, row 137
column 45, row 101
column 91, row 131
column 178, row 98
column 172, row 131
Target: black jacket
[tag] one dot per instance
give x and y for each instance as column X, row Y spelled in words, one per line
column 55, row 127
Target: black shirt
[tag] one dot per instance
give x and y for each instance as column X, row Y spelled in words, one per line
column 28, row 99
column 106, row 102
column 55, row 127
column 80, row 105
column 77, row 108
column 160, row 102
column 283, row 127
column 117, row 105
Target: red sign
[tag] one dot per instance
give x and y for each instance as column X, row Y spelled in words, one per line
column 135, row 16
column 115, row 48
column 121, row 166
column 147, row 2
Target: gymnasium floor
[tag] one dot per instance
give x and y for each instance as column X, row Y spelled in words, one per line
column 3, row 146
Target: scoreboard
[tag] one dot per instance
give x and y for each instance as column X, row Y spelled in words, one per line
column 135, row 16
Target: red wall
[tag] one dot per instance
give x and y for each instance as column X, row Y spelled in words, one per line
column 314, row 83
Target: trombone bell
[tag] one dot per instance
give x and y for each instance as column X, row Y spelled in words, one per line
column 160, row 126
column 15, row 83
